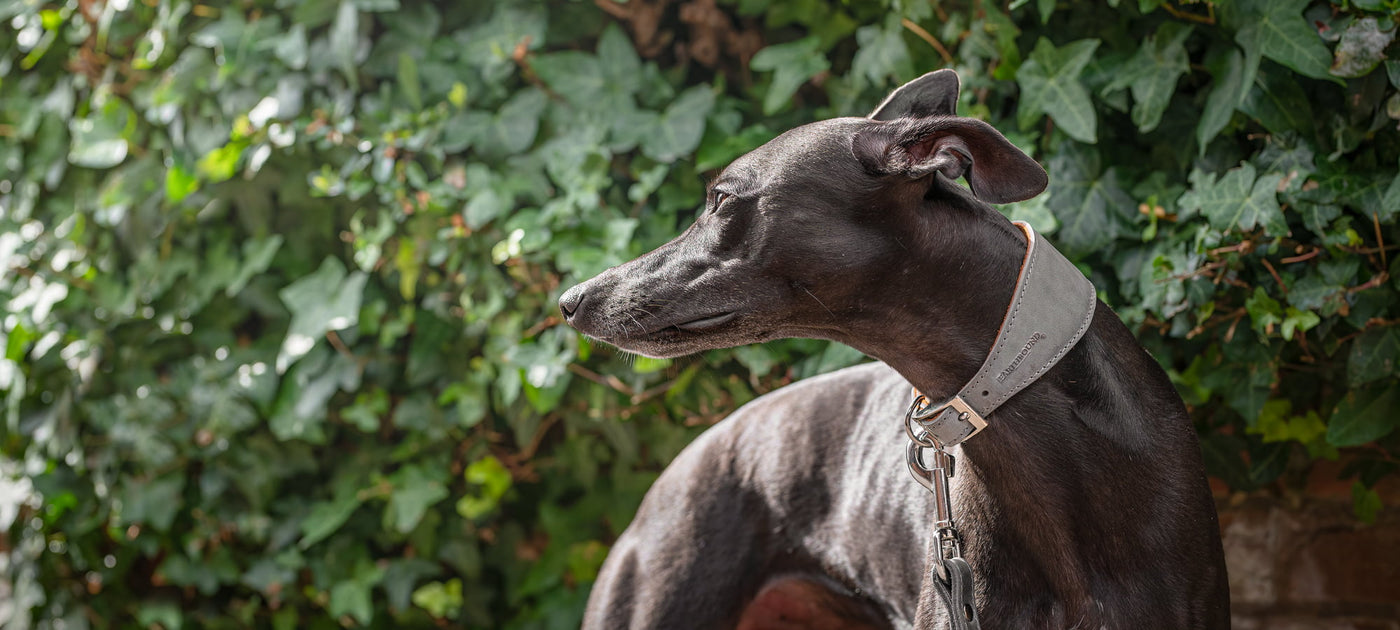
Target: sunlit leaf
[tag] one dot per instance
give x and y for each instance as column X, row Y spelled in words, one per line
column 326, row 300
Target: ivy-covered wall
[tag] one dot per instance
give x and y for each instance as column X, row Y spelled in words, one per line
column 278, row 278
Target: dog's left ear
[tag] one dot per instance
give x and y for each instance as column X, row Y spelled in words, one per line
column 934, row 94
column 996, row 170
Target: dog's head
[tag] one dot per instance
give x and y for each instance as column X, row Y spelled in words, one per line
column 795, row 235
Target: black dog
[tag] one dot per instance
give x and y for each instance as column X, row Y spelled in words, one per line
column 1083, row 505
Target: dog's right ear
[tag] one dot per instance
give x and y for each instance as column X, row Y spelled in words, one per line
column 934, row 94
column 915, row 148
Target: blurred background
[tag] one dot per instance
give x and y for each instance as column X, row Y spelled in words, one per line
column 279, row 343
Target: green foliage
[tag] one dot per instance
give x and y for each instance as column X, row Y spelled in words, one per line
column 280, row 345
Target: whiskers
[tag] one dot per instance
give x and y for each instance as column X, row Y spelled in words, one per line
column 635, row 319
column 819, row 301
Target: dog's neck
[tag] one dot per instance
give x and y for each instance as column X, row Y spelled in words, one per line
column 952, row 298
column 1034, row 466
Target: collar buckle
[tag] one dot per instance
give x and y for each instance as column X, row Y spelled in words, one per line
column 943, row 425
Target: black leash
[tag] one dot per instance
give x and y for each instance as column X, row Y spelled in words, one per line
column 957, row 594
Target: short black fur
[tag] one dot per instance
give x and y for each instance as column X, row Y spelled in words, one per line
column 1084, row 504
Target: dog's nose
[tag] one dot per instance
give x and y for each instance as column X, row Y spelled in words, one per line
column 570, row 301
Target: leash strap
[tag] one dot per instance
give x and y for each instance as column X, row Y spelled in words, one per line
column 957, row 594
column 1052, row 306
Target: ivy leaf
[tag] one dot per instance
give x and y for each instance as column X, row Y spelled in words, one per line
column 415, row 489
column 408, row 80
column 1365, row 502
column 488, row 45
column 792, row 64
column 1152, row 73
column 300, row 408
column 1249, row 394
column 344, row 40
column 1295, row 320
column 492, row 479
column 368, row 408
column 1050, row 84
column 1280, row 32
column 1264, row 312
column 572, row 74
column 401, row 575
column 1035, row 211
column 1390, row 203
column 291, row 49
column 1280, row 104
column 1284, row 35
column 882, row 54
column 154, row 503
column 1237, row 201
column 440, row 599
column 352, row 596
column 99, row 141
column 1085, row 200
column 1267, row 461
column 513, row 128
column 179, row 184
column 1312, row 291
column 1278, row 424
column 1362, row 48
column 586, row 559
column 1364, row 415
column 1226, row 94
column 680, row 127
column 618, row 62
column 323, row 301
column 257, row 255
column 327, row 516
column 222, row 163
column 1373, row 356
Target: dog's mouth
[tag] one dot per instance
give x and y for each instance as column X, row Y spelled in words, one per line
column 705, row 323
column 669, row 333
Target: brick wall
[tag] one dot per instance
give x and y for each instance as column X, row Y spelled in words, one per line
column 1302, row 561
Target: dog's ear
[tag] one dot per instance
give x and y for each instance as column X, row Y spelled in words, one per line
column 997, row 171
column 934, row 94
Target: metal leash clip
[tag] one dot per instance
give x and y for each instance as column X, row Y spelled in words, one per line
column 952, row 575
column 934, row 475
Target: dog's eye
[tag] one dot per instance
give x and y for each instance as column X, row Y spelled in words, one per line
column 720, row 197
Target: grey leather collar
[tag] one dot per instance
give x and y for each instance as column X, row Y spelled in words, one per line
column 1052, row 306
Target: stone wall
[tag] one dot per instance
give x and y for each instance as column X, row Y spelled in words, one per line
column 1302, row 561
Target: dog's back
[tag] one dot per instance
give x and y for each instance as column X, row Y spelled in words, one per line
column 798, row 485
